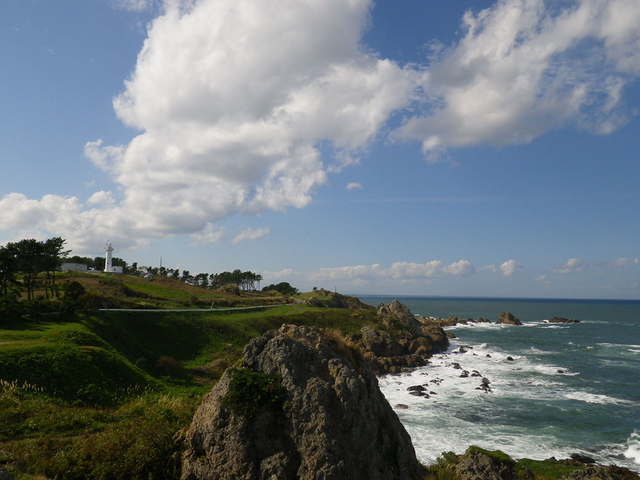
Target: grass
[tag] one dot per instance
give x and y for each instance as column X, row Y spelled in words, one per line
column 89, row 397
column 159, row 292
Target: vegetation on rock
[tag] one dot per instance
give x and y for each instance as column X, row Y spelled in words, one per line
column 249, row 391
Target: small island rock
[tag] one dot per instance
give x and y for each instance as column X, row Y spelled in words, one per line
column 508, row 319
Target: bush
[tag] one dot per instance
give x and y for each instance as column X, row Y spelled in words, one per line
column 73, row 290
column 170, row 366
column 10, row 308
column 249, row 391
column 143, row 442
column 90, row 301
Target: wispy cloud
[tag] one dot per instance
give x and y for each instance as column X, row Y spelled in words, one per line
column 209, row 234
column 353, row 185
column 524, row 67
column 572, row 265
column 251, row 234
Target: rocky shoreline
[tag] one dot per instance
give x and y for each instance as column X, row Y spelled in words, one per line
column 305, row 404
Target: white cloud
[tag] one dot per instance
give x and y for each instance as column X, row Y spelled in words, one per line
column 209, row 234
column 85, row 230
column 232, row 97
column 625, row 262
column 527, row 66
column 353, row 185
column 134, row 5
column 251, row 234
column 397, row 271
column 233, row 100
column 509, row 268
column 572, row 265
column 101, row 198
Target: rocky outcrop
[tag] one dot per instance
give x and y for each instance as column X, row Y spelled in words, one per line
column 508, row 319
column 328, row 418
column 401, row 342
column 451, row 321
column 563, row 320
column 479, row 465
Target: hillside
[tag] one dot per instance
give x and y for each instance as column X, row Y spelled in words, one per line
column 78, row 392
column 128, row 291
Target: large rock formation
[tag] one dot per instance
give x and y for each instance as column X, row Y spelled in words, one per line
column 508, row 319
column 401, row 342
column 334, row 422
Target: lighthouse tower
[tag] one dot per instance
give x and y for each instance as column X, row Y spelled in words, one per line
column 108, row 260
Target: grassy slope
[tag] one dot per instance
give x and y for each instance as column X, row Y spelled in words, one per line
column 161, row 292
column 76, row 395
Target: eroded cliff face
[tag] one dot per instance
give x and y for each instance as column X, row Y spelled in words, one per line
column 332, row 421
column 403, row 344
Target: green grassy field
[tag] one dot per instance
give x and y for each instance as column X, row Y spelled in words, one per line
column 107, row 395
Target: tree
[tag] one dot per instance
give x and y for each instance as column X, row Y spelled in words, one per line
column 53, row 255
column 283, row 287
column 29, row 255
column 8, row 271
column 98, row 263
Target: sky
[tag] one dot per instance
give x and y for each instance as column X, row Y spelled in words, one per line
column 414, row 147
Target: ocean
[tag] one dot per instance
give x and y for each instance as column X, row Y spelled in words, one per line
column 556, row 389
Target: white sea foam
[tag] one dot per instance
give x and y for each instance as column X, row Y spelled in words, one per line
column 633, row 450
column 617, row 345
column 595, row 398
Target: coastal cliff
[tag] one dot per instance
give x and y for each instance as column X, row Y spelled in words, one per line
column 401, row 343
column 301, row 405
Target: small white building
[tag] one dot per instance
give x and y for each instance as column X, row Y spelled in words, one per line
column 74, row 267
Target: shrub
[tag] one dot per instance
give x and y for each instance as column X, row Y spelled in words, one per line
column 73, row 290
column 170, row 366
column 91, row 301
column 249, row 391
column 10, row 308
column 143, row 443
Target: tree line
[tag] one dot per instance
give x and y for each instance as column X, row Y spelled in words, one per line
column 29, row 259
column 24, row 263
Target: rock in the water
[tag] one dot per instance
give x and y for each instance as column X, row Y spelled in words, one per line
column 508, row 319
column 563, row 320
column 335, row 424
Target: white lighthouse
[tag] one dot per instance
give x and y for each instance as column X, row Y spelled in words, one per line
column 108, row 260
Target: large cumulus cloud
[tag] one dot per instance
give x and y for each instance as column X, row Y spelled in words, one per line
column 247, row 105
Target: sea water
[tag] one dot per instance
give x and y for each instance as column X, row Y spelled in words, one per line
column 555, row 389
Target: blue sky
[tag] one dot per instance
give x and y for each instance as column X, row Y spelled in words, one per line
column 472, row 148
